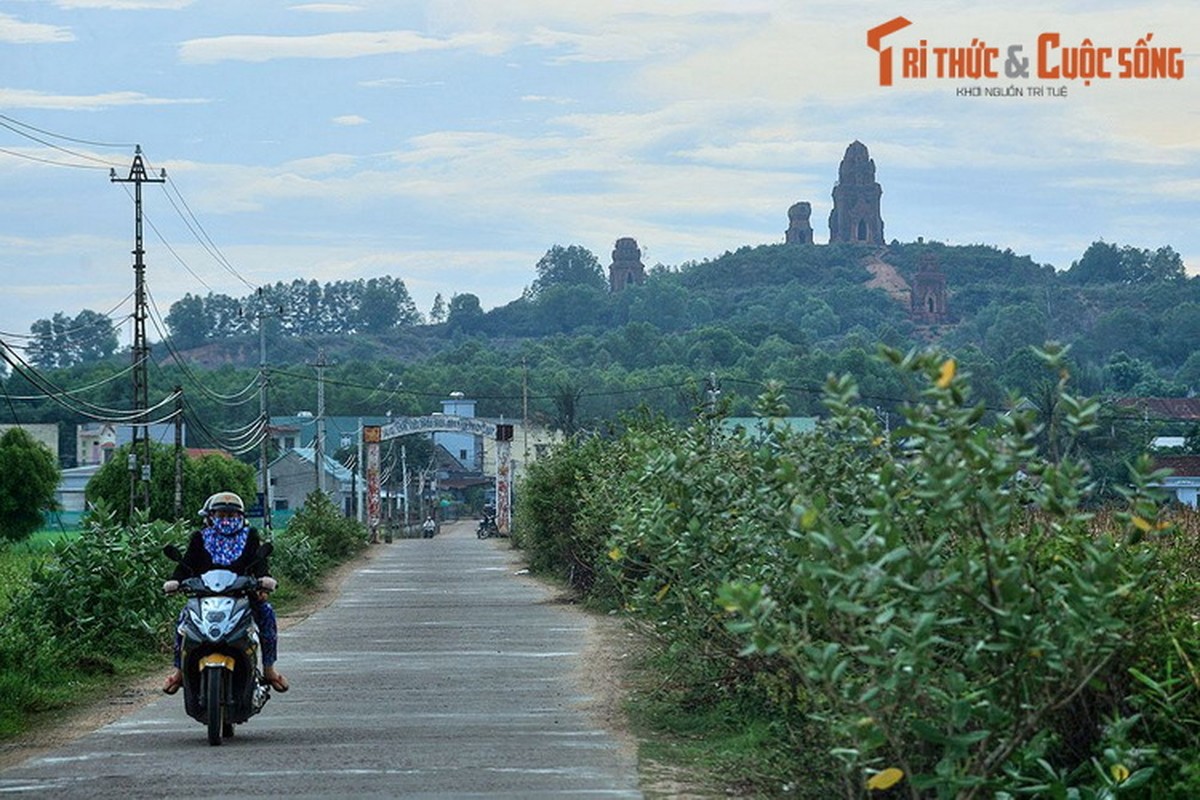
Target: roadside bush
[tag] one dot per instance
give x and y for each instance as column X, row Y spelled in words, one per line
column 295, row 558
column 102, row 591
column 569, row 504
column 92, row 608
column 934, row 606
column 334, row 537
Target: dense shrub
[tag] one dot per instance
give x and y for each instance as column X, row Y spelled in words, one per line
column 333, row 536
column 102, row 591
column 935, row 598
column 294, row 558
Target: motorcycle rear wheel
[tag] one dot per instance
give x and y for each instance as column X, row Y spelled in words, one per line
column 214, row 680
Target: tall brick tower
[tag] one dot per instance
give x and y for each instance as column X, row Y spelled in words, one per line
column 855, row 216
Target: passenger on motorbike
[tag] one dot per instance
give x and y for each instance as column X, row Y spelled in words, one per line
column 227, row 542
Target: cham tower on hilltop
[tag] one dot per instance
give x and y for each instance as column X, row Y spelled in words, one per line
column 855, row 216
column 626, row 268
column 799, row 228
column 928, row 305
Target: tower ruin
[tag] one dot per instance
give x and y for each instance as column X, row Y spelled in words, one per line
column 928, row 306
column 799, row 229
column 855, row 216
column 626, row 268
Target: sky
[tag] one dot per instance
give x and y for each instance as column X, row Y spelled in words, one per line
column 451, row 144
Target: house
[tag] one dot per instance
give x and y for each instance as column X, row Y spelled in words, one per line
column 69, row 494
column 95, row 442
column 294, row 477
column 1178, row 409
column 1184, row 484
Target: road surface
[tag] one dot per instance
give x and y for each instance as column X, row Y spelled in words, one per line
column 438, row 671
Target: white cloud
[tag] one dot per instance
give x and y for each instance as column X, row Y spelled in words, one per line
column 538, row 98
column 352, row 44
column 126, row 5
column 328, row 8
column 350, row 120
column 22, row 98
column 14, row 31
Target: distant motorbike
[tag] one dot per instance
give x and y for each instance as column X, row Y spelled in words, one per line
column 487, row 528
column 222, row 671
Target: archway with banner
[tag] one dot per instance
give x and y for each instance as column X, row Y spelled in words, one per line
column 374, row 435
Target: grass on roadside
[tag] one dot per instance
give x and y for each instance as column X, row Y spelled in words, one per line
column 689, row 720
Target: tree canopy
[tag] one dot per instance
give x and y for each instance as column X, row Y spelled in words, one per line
column 62, row 341
column 573, row 265
column 29, row 476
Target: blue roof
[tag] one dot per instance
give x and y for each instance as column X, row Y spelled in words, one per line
column 332, row 467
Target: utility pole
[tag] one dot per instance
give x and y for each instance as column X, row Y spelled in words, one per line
column 264, row 410
column 712, row 392
column 524, row 412
column 141, row 350
column 404, row 477
column 319, row 441
column 178, row 452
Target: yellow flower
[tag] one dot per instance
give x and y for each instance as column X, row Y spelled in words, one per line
column 886, row 779
column 615, row 554
column 1120, row 772
column 1145, row 525
column 947, row 374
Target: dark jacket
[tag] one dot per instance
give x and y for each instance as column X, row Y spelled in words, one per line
column 197, row 559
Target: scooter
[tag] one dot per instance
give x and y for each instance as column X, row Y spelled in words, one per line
column 487, row 528
column 222, row 673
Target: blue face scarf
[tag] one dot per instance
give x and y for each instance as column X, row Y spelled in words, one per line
column 225, row 539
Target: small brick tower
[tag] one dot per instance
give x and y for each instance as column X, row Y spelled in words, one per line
column 627, row 267
column 929, row 293
column 799, row 228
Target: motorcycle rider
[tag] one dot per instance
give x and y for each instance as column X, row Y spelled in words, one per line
column 226, row 541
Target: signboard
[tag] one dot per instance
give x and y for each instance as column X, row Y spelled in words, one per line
column 371, row 437
column 503, row 487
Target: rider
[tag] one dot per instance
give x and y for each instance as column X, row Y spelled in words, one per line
column 226, row 541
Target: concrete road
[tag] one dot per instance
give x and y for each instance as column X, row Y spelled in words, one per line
column 437, row 672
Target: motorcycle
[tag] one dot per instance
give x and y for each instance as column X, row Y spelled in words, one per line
column 222, row 672
column 487, row 528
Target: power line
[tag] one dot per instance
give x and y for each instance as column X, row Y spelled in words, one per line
column 52, row 146
column 65, row 138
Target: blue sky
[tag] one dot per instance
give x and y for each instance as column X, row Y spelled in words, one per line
column 451, row 144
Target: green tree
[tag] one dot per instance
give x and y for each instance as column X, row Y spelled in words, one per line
column 1100, row 263
column 29, row 476
column 465, row 314
column 1166, row 265
column 437, row 314
column 188, row 322
column 568, row 266
column 92, row 337
column 1123, row 372
column 49, row 347
column 201, row 477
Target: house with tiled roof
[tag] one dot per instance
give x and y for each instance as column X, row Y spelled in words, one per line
column 1182, row 409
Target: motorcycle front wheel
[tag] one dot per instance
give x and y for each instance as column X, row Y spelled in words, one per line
column 214, row 680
